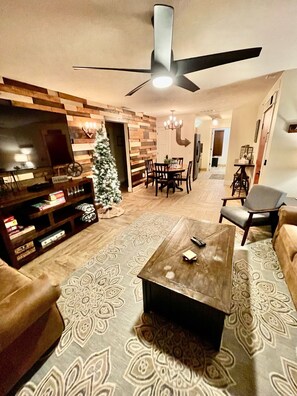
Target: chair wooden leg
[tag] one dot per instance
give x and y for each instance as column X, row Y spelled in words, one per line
column 247, row 227
column 220, row 219
column 187, row 184
column 156, row 187
column 246, row 231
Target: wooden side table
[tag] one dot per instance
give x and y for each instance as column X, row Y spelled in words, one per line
column 241, row 179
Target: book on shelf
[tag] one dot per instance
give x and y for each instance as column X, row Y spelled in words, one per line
column 8, row 219
column 25, row 230
column 11, row 223
column 56, row 195
column 51, row 238
column 12, row 228
column 25, row 253
column 23, row 248
column 46, row 204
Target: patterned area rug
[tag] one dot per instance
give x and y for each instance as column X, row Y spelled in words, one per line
column 109, row 347
column 217, row 176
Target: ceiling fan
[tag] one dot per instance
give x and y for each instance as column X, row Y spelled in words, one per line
column 166, row 71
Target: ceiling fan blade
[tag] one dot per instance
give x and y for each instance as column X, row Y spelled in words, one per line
column 163, row 27
column 184, row 82
column 136, row 89
column 191, row 65
column 112, row 68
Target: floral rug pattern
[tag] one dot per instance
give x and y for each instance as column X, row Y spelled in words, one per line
column 259, row 311
column 111, row 348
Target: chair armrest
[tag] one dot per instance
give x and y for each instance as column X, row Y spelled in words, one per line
column 263, row 210
column 22, row 308
column 233, row 199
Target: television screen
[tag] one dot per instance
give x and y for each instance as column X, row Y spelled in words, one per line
column 31, row 139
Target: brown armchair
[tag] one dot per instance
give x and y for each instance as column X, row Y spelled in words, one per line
column 30, row 323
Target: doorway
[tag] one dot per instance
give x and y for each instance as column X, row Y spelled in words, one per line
column 116, row 135
column 266, row 123
column 219, row 149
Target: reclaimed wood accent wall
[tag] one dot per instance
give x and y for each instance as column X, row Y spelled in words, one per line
column 141, row 128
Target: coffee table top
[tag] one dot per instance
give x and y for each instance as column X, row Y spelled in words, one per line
column 209, row 279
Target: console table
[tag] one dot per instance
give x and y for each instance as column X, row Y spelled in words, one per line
column 241, row 179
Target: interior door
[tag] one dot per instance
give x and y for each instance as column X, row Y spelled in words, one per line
column 266, row 124
column 218, row 143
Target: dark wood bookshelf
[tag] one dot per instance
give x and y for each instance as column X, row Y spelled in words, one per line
column 63, row 216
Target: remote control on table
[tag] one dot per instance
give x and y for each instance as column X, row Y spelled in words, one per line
column 198, row 241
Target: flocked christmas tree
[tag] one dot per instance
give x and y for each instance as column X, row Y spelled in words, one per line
column 105, row 175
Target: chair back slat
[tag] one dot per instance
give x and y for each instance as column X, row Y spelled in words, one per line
column 161, row 170
column 189, row 169
column 148, row 165
column 178, row 160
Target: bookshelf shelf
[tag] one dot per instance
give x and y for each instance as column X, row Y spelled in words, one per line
column 47, row 222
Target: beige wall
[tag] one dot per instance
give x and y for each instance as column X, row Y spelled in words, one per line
column 166, row 140
column 281, row 169
column 242, row 132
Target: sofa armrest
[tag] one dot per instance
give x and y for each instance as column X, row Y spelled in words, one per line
column 287, row 215
column 22, row 308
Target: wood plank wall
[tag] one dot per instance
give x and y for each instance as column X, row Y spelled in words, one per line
column 141, row 128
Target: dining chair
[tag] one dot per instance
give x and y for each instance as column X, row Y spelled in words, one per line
column 161, row 177
column 260, row 207
column 149, row 172
column 178, row 160
column 186, row 178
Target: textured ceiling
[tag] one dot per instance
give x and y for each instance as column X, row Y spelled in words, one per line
column 40, row 41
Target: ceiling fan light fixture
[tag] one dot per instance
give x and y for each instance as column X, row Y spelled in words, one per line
column 162, row 81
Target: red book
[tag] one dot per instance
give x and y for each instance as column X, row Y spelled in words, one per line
column 8, row 219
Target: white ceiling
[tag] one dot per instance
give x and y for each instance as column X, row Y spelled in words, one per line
column 40, row 41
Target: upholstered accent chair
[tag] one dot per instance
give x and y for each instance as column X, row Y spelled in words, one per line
column 30, row 323
column 258, row 208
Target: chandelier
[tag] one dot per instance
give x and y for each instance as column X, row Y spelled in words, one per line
column 172, row 122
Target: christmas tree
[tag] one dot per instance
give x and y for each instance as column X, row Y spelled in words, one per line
column 105, row 175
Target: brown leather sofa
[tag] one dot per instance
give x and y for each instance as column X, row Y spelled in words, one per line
column 285, row 245
column 30, row 323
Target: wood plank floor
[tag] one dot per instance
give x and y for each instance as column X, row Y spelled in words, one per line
column 203, row 203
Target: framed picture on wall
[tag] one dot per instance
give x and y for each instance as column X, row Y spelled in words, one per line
column 257, row 130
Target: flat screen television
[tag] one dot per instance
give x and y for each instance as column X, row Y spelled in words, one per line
column 31, row 139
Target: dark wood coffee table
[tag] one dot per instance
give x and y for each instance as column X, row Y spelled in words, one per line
column 198, row 294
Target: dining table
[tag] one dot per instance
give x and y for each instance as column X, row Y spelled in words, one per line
column 172, row 171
